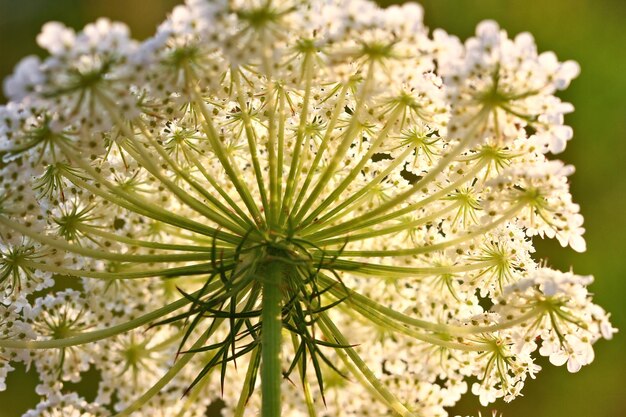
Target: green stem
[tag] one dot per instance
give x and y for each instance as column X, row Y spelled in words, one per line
column 431, row 175
column 401, row 226
column 357, row 169
column 275, row 165
column 280, row 151
column 98, row 231
column 217, row 204
column 391, row 326
column 149, row 164
column 367, row 307
column 219, row 189
column 355, row 200
column 296, row 160
column 395, row 272
column 271, row 339
column 330, row 128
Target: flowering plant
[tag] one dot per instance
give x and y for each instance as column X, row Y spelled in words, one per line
column 294, row 207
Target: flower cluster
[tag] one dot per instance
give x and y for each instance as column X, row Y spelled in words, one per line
column 288, row 207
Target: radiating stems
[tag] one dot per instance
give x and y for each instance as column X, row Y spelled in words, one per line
column 357, row 169
column 274, row 153
column 146, row 160
column 197, row 269
column 219, row 189
column 353, row 360
column 296, row 160
column 97, row 231
column 330, row 128
column 275, row 156
column 280, row 151
column 354, row 198
column 183, row 196
column 252, row 140
column 100, row 254
column 271, row 339
column 136, row 203
column 442, row 164
column 243, row 221
column 398, row 272
column 231, row 169
column 344, row 146
column 439, row 340
column 507, row 215
column 367, row 220
column 93, row 336
column 399, row 227
column 367, row 307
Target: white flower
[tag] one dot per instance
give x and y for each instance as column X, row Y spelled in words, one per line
column 69, row 405
column 568, row 322
column 311, row 203
column 507, row 81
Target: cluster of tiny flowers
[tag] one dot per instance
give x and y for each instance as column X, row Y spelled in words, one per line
column 306, row 207
column 493, row 414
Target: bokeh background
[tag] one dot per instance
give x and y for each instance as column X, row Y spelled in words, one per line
column 592, row 32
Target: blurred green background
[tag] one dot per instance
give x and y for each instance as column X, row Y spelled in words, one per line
column 591, row 32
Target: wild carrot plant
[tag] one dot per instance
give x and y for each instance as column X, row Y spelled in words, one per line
column 295, row 207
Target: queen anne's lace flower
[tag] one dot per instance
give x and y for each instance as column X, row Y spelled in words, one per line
column 286, row 206
column 511, row 84
column 69, row 405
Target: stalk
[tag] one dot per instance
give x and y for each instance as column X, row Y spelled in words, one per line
column 427, row 178
column 296, row 160
column 189, row 270
column 342, row 148
column 271, row 340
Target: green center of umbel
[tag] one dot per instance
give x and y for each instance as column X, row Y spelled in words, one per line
column 286, row 261
column 272, row 289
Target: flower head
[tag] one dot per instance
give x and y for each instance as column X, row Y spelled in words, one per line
column 301, row 203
